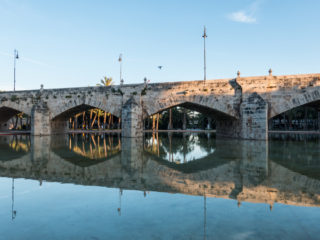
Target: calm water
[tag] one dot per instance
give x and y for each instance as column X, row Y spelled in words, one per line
column 166, row 186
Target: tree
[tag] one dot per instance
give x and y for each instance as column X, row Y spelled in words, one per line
column 105, row 81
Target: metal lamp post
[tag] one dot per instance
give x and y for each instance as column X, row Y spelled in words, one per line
column 15, row 57
column 120, row 61
column 204, row 53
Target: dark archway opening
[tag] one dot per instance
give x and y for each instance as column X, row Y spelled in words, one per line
column 86, row 117
column 303, row 118
column 186, row 116
column 12, row 119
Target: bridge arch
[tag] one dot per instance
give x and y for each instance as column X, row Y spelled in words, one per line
column 208, row 103
column 8, row 110
column 69, row 107
column 20, row 120
column 205, row 109
column 293, row 100
column 87, row 116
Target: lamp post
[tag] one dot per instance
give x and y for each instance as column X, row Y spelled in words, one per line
column 204, row 53
column 120, row 61
column 15, row 57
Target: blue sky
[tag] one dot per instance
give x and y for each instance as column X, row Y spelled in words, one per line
column 66, row 43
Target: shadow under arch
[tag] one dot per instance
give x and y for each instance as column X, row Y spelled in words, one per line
column 67, row 113
column 211, row 112
column 307, row 97
column 302, row 117
column 7, row 113
column 187, row 115
column 85, row 117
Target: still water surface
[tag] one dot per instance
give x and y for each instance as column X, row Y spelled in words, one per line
column 166, row 186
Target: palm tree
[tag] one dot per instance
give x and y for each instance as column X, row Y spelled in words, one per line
column 105, row 81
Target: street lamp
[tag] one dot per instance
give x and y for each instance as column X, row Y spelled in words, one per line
column 120, row 61
column 204, row 53
column 15, row 57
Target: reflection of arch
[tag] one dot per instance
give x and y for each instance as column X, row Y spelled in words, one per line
column 12, row 148
column 205, row 163
column 208, row 105
column 308, row 96
column 83, row 152
column 297, row 156
column 79, row 160
column 217, row 150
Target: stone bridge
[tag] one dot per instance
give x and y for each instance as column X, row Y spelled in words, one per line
column 241, row 106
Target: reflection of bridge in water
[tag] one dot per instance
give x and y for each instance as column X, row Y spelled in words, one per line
column 241, row 170
column 89, row 149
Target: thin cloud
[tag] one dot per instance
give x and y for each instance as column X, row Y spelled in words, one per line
column 247, row 15
column 5, row 54
column 242, row 17
column 35, row 61
column 26, row 59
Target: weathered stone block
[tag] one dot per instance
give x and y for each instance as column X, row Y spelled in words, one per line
column 132, row 122
column 254, row 118
column 40, row 121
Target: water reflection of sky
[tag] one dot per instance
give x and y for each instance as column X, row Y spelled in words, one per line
column 67, row 211
column 53, row 210
column 196, row 152
column 190, row 147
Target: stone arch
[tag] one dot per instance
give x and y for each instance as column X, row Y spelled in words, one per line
column 9, row 110
column 73, row 106
column 293, row 100
column 59, row 119
column 201, row 104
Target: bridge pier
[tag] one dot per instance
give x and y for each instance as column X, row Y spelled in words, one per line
column 132, row 152
column 42, row 125
column 40, row 121
column 131, row 117
column 252, row 122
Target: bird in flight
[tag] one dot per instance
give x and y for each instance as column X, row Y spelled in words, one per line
column 160, row 67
